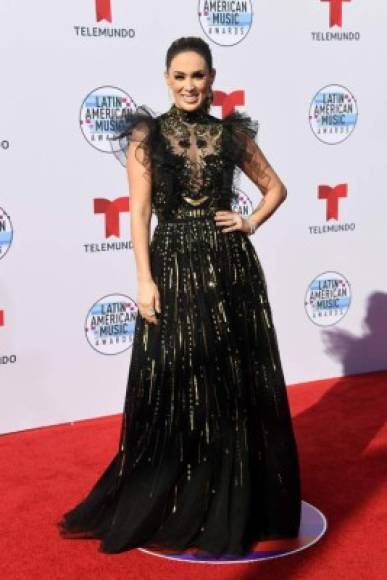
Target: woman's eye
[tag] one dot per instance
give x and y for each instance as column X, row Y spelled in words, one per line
column 197, row 75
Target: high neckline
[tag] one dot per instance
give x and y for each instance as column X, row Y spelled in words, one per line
column 194, row 116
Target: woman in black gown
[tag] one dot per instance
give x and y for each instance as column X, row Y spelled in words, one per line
column 207, row 456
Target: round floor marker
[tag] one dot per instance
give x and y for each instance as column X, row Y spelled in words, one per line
column 313, row 527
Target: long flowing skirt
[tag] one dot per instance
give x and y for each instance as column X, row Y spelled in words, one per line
column 207, row 456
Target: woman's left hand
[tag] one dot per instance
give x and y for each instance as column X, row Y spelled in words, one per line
column 232, row 220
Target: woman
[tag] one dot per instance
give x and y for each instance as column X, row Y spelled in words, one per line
column 207, row 457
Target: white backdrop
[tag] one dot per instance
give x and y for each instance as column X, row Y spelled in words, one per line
column 54, row 260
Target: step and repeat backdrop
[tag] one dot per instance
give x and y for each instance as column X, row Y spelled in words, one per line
column 311, row 73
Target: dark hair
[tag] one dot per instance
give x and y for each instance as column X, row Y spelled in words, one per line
column 188, row 43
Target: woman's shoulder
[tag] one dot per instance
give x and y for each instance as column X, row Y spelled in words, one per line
column 143, row 113
column 135, row 125
column 241, row 122
column 240, row 131
column 237, row 124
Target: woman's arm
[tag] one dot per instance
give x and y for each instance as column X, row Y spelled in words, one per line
column 253, row 162
column 256, row 166
column 139, row 178
column 140, row 190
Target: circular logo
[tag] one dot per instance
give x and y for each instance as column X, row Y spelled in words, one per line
column 102, row 115
column 333, row 114
column 110, row 323
column 327, row 298
column 6, row 232
column 225, row 23
column 243, row 205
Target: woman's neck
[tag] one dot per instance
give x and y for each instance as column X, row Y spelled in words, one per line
column 192, row 116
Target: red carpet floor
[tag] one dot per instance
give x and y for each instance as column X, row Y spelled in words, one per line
column 342, row 436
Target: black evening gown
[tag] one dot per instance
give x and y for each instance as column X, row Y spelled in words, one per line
column 207, row 456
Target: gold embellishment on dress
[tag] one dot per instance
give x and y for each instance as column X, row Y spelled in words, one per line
column 174, row 499
column 196, row 202
column 151, row 381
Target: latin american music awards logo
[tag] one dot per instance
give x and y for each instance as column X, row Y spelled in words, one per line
column 110, row 324
column 334, row 12
column 103, row 13
column 333, row 114
column 243, row 205
column 6, row 232
column 332, row 197
column 327, row 298
column 6, row 237
column 102, row 115
column 225, row 23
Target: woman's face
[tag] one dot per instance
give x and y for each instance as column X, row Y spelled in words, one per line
column 189, row 79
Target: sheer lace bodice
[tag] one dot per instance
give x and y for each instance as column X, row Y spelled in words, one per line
column 193, row 157
column 195, row 139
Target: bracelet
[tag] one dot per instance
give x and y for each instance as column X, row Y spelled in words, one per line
column 253, row 227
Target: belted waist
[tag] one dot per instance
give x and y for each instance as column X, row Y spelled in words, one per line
column 189, row 213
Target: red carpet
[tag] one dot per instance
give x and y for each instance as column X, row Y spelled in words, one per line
column 342, row 437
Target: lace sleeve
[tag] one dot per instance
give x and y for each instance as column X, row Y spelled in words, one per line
column 136, row 126
column 245, row 153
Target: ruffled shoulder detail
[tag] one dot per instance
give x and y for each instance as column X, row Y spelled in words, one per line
column 144, row 120
column 240, row 129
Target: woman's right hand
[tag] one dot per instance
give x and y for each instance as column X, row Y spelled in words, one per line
column 148, row 300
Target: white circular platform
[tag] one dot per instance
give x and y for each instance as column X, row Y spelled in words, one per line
column 313, row 527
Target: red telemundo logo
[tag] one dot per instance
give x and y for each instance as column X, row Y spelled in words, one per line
column 335, row 12
column 332, row 196
column 112, row 211
column 228, row 101
column 103, row 10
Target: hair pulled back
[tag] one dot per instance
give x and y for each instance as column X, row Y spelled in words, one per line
column 190, row 43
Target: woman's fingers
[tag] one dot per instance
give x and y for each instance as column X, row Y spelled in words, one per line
column 232, row 220
column 148, row 317
column 148, row 310
column 157, row 302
